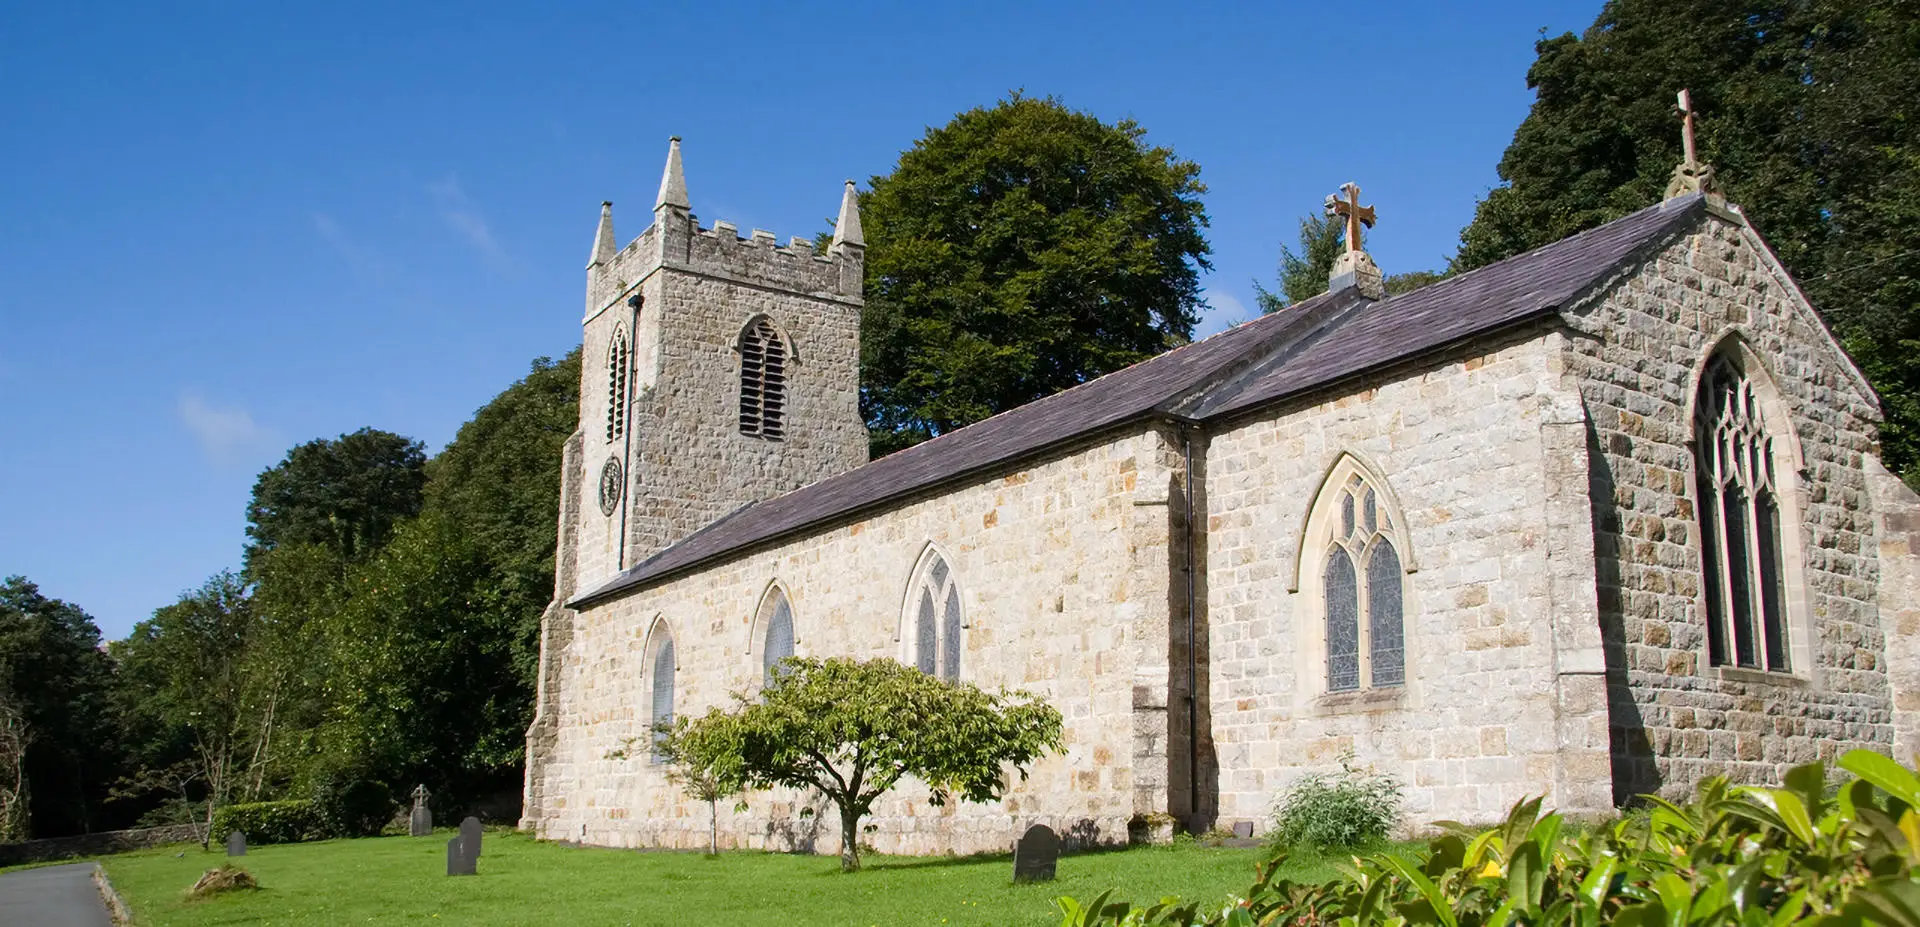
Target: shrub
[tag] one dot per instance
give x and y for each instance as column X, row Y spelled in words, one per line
column 350, row 806
column 269, row 821
column 1346, row 810
column 1734, row 856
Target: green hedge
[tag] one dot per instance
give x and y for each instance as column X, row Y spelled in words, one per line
column 1734, row 856
column 269, row 821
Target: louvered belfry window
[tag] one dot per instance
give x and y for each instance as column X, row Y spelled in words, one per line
column 619, row 362
column 936, row 620
column 1740, row 539
column 763, row 381
column 663, row 672
column 777, row 640
column 1365, row 624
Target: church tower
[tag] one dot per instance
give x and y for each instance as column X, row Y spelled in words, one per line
column 715, row 371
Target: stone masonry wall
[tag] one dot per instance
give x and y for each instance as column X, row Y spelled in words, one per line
column 1470, row 446
column 1636, row 350
column 1897, row 512
column 1064, row 582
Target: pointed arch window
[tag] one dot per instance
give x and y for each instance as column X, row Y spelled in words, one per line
column 763, row 380
column 934, row 616
column 1741, row 552
column 1362, row 586
column 663, row 671
column 776, row 634
column 619, row 363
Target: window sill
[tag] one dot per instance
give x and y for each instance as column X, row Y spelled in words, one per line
column 1360, row 701
column 1761, row 677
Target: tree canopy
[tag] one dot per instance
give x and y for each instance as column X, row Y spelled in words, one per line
column 1019, row 250
column 55, row 694
column 851, row 730
column 1807, row 111
column 344, row 494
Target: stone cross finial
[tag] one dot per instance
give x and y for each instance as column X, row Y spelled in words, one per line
column 1350, row 209
column 1691, row 176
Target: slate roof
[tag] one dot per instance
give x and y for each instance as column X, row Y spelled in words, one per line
column 1311, row 344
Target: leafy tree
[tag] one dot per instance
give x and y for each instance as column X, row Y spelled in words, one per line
column 1807, row 111
column 57, row 685
column 852, row 729
column 344, row 494
column 1016, row 251
column 186, row 669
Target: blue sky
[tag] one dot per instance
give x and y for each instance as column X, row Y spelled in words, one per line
column 226, row 229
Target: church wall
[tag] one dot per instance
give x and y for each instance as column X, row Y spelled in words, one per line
column 1897, row 522
column 1065, row 587
column 1635, row 352
column 1468, row 447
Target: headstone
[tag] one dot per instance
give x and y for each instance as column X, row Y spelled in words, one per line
column 1243, row 829
column 420, row 821
column 470, row 832
column 461, row 860
column 1036, row 854
column 236, row 844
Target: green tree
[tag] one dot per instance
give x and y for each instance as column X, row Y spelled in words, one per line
column 56, row 684
column 851, row 730
column 186, row 670
column 344, row 494
column 1019, row 250
column 1807, row 111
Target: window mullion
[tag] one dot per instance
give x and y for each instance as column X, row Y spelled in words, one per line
column 1364, row 618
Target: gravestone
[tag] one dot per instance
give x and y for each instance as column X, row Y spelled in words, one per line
column 420, row 821
column 1243, row 829
column 470, row 832
column 236, row 844
column 1035, row 856
column 460, row 859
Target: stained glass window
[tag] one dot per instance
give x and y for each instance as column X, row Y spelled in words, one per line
column 663, row 670
column 777, row 643
column 1741, row 557
column 1363, row 586
column 937, row 621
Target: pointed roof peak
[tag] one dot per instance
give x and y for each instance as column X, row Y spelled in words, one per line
column 673, row 182
column 603, row 245
column 846, row 230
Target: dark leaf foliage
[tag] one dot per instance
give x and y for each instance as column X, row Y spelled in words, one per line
column 1019, row 250
column 1806, row 110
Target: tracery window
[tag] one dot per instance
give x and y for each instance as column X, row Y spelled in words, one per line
column 763, row 380
column 1742, row 561
column 935, row 619
column 1362, row 590
column 776, row 636
column 619, row 362
column 663, row 682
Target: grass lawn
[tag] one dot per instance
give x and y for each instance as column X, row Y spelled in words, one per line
column 402, row 880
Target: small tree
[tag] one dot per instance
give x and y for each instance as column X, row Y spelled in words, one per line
column 852, row 729
column 704, row 760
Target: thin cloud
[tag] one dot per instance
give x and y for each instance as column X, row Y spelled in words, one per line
column 226, row 434
column 1224, row 310
column 365, row 263
column 463, row 216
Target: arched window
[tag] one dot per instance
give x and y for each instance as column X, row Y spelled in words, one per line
column 934, row 617
column 1741, row 551
column 776, row 633
column 619, row 362
column 663, row 681
column 763, row 380
column 1351, row 547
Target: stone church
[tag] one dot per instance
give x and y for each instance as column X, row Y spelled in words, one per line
column 1600, row 519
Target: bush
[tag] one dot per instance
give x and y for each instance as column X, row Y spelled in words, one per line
column 1733, row 856
column 352, row 807
column 268, row 821
column 1346, row 810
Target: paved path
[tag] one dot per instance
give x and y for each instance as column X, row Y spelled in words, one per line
column 52, row 896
